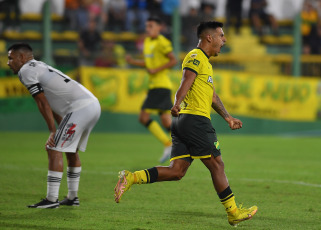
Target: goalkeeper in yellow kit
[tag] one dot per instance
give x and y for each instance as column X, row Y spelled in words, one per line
column 158, row 58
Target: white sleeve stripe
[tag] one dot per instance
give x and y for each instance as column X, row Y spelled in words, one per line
column 35, row 89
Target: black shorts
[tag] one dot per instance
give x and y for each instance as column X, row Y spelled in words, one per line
column 193, row 137
column 159, row 99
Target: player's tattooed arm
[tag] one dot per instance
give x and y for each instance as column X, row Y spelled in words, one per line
column 218, row 106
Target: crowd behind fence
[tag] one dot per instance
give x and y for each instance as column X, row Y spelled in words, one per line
column 101, row 32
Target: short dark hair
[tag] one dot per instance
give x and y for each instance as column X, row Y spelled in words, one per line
column 155, row 19
column 208, row 25
column 20, row 46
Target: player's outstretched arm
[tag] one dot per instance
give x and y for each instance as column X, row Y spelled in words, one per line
column 135, row 62
column 47, row 114
column 171, row 62
column 186, row 83
column 218, row 106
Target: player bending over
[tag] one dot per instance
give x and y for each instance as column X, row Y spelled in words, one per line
column 76, row 111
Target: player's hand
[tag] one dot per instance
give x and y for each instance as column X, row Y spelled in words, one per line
column 51, row 140
column 234, row 123
column 175, row 110
column 152, row 71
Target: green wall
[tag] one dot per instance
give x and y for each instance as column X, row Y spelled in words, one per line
column 115, row 122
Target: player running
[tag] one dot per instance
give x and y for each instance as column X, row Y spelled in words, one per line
column 76, row 111
column 158, row 58
column 192, row 133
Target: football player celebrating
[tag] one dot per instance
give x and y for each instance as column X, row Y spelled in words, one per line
column 192, row 133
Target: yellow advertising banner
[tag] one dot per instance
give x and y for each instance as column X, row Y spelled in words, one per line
column 271, row 97
column 282, row 98
column 12, row 87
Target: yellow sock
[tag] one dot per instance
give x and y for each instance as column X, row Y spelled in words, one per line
column 140, row 177
column 229, row 204
column 146, row 176
column 159, row 133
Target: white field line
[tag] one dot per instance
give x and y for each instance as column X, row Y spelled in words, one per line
column 302, row 183
column 282, row 182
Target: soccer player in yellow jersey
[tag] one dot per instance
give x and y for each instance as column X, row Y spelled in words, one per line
column 158, row 58
column 192, row 131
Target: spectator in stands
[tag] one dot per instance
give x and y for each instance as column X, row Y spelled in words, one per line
column 153, row 6
column 309, row 29
column 96, row 12
column 207, row 10
column 116, row 15
column 168, row 7
column 90, row 43
column 190, row 23
column 259, row 15
column 8, row 7
column 136, row 14
column 83, row 14
column 234, row 15
column 113, row 55
column 71, row 11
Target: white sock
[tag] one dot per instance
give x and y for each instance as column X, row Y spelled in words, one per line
column 73, row 177
column 53, row 184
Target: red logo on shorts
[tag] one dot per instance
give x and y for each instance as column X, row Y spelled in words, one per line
column 69, row 133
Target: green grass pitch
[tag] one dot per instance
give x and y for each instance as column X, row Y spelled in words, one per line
column 280, row 175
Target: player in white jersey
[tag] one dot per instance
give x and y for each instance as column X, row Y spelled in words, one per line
column 76, row 111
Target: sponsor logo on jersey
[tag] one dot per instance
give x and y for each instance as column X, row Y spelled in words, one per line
column 183, row 105
column 193, row 55
column 196, row 62
column 69, row 133
column 149, row 55
column 210, row 79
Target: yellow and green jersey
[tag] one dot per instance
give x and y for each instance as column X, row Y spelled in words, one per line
column 155, row 55
column 198, row 100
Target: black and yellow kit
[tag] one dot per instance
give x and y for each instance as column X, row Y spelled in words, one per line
column 193, row 136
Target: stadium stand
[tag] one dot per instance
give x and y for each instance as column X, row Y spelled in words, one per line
column 270, row 53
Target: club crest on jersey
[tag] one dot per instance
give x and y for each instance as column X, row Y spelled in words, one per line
column 69, row 133
column 196, row 62
column 210, row 79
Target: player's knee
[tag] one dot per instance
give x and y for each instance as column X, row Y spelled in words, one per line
column 141, row 120
column 144, row 121
column 179, row 174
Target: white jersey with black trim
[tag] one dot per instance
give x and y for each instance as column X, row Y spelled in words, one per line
column 63, row 94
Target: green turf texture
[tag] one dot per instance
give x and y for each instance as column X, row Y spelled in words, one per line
column 280, row 175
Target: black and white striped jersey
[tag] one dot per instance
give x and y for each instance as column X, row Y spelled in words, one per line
column 63, row 94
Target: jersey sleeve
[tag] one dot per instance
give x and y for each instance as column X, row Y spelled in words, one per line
column 191, row 63
column 30, row 79
column 166, row 46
